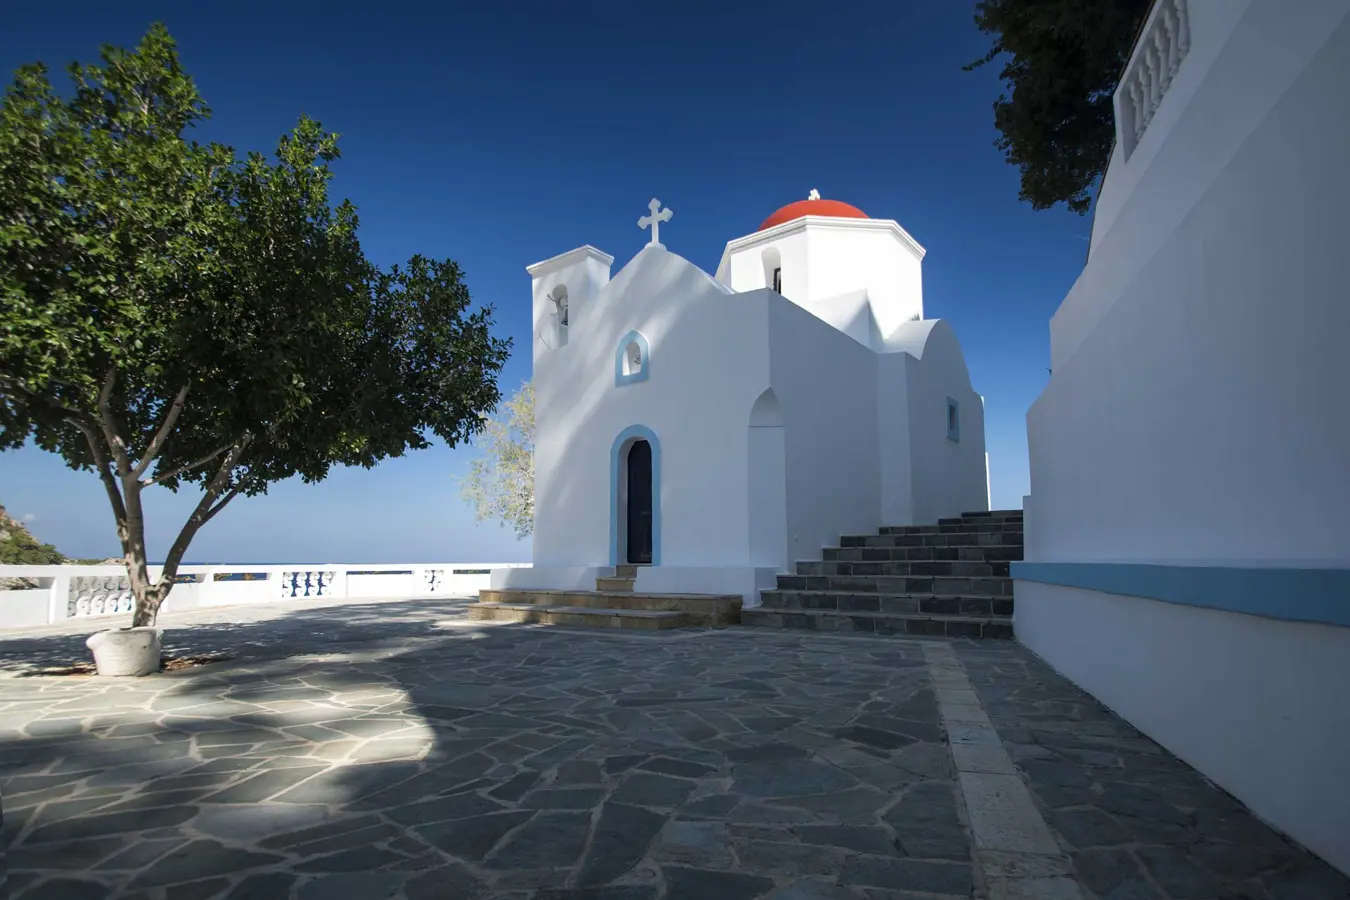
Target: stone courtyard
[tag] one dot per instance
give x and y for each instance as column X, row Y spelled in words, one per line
column 397, row 750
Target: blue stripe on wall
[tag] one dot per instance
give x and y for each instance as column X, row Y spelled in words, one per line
column 1295, row 595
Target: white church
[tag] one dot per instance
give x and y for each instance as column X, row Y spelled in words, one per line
column 714, row 429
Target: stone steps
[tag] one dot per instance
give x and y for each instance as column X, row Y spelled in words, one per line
column 895, row 584
column 901, row 554
column 710, row 610
column 906, row 568
column 580, row 616
column 891, row 604
column 1009, row 527
column 969, row 539
column 880, row 623
column 949, row 579
column 615, row 584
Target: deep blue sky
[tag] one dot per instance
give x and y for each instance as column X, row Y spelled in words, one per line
column 499, row 134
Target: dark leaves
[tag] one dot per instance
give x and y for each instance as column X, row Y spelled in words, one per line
column 1066, row 57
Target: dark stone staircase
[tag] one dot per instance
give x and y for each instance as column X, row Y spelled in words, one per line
column 947, row 579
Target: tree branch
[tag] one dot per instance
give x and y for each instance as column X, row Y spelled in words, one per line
column 157, row 443
column 220, row 504
column 184, row 468
column 205, row 509
column 109, row 424
column 106, row 476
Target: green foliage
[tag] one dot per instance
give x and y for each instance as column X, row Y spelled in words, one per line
column 19, row 548
column 173, row 314
column 1066, row 57
column 501, row 482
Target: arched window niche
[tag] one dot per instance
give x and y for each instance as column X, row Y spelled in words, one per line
column 558, row 309
column 773, row 269
column 632, row 359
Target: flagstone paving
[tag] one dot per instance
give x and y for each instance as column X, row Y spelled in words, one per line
column 398, row 751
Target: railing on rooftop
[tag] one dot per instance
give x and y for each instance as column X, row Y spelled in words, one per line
column 58, row 593
column 1162, row 45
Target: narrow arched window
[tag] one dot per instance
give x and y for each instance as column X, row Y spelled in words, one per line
column 773, row 269
column 632, row 359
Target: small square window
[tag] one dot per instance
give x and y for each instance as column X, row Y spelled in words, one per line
column 953, row 420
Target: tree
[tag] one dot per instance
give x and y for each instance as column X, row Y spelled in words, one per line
column 174, row 315
column 501, row 482
column 1067, row 57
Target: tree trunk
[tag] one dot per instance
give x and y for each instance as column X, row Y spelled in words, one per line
column 149, row 596
column 214, row 499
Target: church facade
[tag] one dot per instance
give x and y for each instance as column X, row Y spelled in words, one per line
column 714, row 429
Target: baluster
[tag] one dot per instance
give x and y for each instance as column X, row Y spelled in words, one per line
column 1183, row 29
column 1164, row 63
column 1169, row 28
column 1136, row 107
column 1154, row 78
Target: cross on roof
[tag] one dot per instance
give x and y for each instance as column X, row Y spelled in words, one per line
column 814, row 195
column 654, row 220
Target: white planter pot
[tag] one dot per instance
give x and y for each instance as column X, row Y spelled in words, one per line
column 124, row 652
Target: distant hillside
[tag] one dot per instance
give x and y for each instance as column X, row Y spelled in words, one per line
column 18, row 547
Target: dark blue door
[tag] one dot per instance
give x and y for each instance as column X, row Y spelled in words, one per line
column 640, row 502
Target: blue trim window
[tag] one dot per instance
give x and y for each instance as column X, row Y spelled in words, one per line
column 953, row 421
column 632, row 359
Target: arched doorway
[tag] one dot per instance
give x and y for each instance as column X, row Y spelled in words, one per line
column 767, row 481
column 635, row 498
column 639, row 503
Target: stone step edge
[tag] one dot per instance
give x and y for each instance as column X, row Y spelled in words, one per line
column 799, row 563
column 554, row 592
column 921, row 596
column 948, row 535
column 585, row 610
column 852, row 614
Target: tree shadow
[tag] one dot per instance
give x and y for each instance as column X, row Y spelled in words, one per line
column 304, row 631
column 404, row 752
column 382, row 741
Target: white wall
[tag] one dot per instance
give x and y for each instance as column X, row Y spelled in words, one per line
column 103, row 592
column 948, row 477
column 743, row 270
column 893, row 437
column 25, row 608
column 712, row 354
column 1203, row 415
column 846, row 258
column 823, row 259
column 1196, row 413
column 1211, row 23
column 1257, row 705
column 826, row 384
column 708, row 364
column 1244, row 59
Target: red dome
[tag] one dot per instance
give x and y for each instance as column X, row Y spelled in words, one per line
column 813, row 208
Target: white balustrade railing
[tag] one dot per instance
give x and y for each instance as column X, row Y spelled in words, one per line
column 1163, row 43
column 77, row 592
